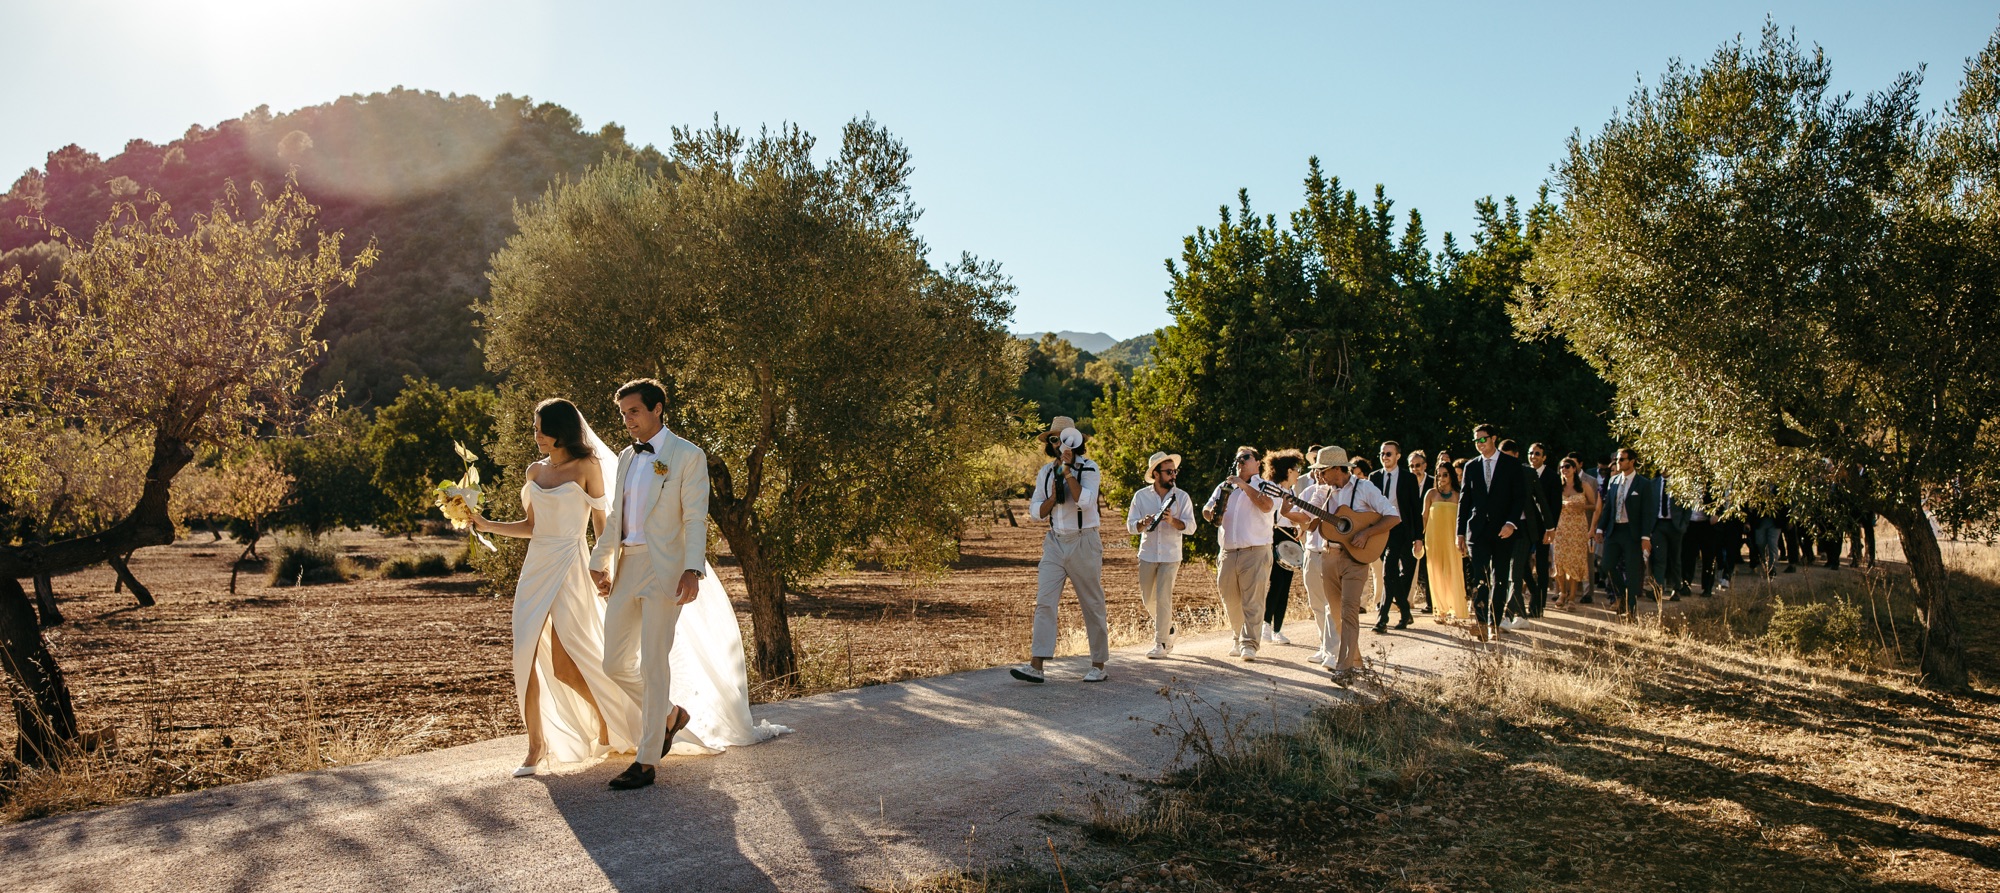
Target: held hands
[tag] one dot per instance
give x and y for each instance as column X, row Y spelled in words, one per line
column 603, row 581
column 688, row 588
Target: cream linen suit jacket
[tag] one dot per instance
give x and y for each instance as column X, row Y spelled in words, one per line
column 676, row 521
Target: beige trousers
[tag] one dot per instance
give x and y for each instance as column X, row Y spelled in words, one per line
column 1349, row 578
column 1156, row 592
column 1244, row 577
column 639, row 623
column 1076, row 556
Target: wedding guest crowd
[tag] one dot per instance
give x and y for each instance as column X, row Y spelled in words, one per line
column 1489, row 542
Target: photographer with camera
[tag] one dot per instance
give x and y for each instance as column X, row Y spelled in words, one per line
column 1066, row 496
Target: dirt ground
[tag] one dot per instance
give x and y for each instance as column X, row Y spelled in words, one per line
column 381, row 667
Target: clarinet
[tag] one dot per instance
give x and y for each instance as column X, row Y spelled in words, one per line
column 1154, row 524
column 1221, row 502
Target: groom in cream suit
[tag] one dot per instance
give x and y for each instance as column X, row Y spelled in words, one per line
column 657, row 538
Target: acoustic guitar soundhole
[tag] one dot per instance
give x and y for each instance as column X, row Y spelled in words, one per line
column 1343, row 525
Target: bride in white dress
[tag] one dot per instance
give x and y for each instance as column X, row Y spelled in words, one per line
column 559, row 619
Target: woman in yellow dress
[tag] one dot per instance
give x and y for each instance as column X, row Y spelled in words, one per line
column 1443, row 562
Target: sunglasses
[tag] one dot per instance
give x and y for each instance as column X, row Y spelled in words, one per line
column 1626, row 459
column 1167, row 471
column 1481, row 439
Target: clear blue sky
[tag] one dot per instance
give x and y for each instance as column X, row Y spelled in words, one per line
column 1076, row 143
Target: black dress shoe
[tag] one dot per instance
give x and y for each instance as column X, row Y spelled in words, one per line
column 1404, row 624
column 637, row 775
column 1382, row 628
column 1674, row 598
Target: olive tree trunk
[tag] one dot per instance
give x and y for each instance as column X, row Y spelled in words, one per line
column 770, row 629
column 1943, row 654
column 43, row 715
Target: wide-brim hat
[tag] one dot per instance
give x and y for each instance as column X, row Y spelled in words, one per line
column 1329, row 457
column 1154, row 461
column 1058, row 425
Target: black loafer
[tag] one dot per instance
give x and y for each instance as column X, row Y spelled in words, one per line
column 637, row 775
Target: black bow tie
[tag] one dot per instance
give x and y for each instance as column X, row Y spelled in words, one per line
column 642, row 447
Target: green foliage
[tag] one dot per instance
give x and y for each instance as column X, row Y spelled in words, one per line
column 433, row 179
column 841, row 384
column 1064, row 381
column 1795, row 293
column 1338, row 329
column 1133, row 352
column 411, row 440
column 333, row 477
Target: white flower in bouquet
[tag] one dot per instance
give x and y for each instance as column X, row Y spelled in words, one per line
column 457, row 500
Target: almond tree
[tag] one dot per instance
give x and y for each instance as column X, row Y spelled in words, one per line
column 1791, row 288
column 185, row 332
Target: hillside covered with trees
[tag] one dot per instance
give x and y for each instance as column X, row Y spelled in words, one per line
column 431, row 179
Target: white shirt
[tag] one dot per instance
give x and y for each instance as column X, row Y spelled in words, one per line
column 636, row 498
column 1162, row 543
column 1243, row 525
column 1359, row 494
column 1619, row 484
column 1080, row 513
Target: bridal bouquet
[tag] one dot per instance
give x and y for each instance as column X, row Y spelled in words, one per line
column 457, row 499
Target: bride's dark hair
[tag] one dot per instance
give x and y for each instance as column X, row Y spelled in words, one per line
column 562, row 423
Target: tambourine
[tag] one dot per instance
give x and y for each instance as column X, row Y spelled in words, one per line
column 1290, row 556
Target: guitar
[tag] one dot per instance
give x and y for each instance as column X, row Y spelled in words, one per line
column 1339, row 525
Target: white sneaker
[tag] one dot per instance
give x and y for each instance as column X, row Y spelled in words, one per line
column 1249, row 653
column 1725, row 585
column 1027, row 673
column 1096, row 674
column 1319, row 657
column 1278, row 638
column 1267, row 633
column 1159, row 651
column 1235, row 651
column 1512, row 623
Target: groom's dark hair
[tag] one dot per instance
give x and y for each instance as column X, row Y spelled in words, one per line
column 649, row 392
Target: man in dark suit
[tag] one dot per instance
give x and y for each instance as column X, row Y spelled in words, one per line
column 1544, row 510
column 1626, row 530
column 1670, row 524
column 1529, row 591
column 1489, row 517
column 1399, row 567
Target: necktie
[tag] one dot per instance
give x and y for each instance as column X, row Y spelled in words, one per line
column 642, row 447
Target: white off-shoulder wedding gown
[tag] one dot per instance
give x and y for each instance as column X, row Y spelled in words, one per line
column 555, row 594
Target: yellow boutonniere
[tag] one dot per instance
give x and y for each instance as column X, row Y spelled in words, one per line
column 659, row 468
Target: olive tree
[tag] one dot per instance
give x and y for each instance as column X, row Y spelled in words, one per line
column 1793, row 292
column 843, row 387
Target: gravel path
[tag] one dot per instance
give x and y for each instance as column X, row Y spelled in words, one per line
column 879, row 784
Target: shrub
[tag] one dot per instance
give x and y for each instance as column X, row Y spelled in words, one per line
column 1818, row 628
column 417, row 564
column 307, row 562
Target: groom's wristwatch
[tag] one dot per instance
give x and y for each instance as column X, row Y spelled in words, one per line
column 697, row 574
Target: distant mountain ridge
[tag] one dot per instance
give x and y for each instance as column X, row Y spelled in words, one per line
column 1094, row 342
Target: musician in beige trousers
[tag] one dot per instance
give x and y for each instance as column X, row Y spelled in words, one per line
column 1245, row 519
column 1161, row 515
column 1329, row 567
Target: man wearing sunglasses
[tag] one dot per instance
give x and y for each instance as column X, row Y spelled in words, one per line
column 1626, row 530
column 1489, row 515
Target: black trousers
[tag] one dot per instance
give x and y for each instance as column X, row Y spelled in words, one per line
column 1490, row 572
column 1399, row 570
column 1701, row 554
column 1624, row 567
column 1729, row 546
column 1279, row 596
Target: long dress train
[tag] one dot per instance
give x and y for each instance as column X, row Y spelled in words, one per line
column 556, row 598
column 1443, row 562
column 710, row 677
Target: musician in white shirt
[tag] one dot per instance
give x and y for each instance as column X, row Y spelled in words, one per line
column 1244, row 517
column 1066, row 496
column 1328, row 564
column 1160, row 515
